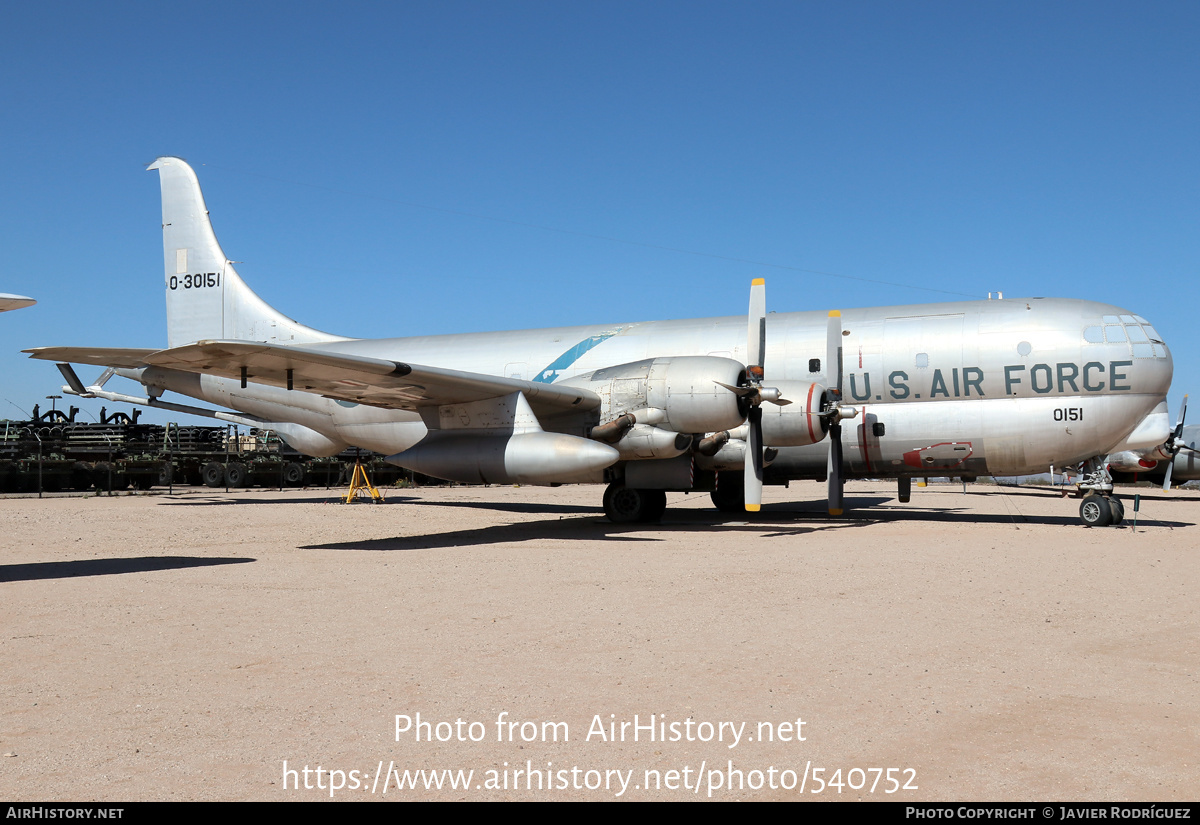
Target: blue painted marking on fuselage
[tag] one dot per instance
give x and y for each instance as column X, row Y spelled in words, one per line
column 572, row 355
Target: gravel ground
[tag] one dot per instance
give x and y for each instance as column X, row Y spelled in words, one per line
column 977, row 645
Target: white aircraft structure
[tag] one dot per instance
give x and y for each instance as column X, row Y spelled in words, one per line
column 721, row 405
column 1177, row 458
column 8, row 301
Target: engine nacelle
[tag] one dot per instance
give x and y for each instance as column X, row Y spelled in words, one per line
column 797, row 424
column 1128, row 461
column 685, row 388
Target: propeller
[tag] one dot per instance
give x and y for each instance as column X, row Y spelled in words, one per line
column 835, row 412
column 833, row 467
column 753, row 394
column 1175, row 443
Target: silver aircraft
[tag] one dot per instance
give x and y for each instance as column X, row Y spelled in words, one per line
column 721, row 405
column 8, row 302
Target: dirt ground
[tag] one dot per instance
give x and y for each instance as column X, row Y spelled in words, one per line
column 977, row 645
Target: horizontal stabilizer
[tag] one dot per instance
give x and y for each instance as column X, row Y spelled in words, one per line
column 8, row 301
column 95, row 356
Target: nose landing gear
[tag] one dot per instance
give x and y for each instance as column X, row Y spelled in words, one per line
column 1097, row 510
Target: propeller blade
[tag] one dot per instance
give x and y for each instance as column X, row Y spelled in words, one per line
column 1178, row 434
column 756, row 326
column 834, row 468
column 833, row 374
column 833, row 352
column 738, row 391
column 754, row 461
column 1167, row 480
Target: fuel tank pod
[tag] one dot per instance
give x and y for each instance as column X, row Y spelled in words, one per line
column 538, row 458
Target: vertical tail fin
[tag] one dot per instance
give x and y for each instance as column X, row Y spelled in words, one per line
column 206, row 298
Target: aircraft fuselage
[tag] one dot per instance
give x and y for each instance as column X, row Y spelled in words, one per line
column 971, row 388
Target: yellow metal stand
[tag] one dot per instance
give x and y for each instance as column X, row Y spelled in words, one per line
column 360, row 484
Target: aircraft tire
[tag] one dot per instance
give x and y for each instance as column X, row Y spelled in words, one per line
column 656, row 505
column 1118, row 510
column 213, row 474
column 628, row 505
column 1094, row 511
column 730, row 495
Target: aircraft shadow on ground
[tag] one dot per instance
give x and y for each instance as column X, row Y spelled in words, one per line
column 774, row 521
column 39, row 571
column 580, row 528
column 672, row 513
column 221, row 500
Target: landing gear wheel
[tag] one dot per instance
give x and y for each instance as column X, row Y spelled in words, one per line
column 1118, row 510
column 730, row 495
column 656, row 505
column 1094, row 511
column 627, row 505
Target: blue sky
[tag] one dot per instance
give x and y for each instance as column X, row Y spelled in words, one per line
column 424, row 167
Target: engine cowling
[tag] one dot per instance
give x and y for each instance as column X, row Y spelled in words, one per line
column 685, row 388
column 797, row 424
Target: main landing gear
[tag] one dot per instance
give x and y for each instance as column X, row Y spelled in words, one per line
column 628, row 505
column 730, row 495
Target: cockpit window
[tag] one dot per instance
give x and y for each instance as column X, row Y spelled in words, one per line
column 1134, row 331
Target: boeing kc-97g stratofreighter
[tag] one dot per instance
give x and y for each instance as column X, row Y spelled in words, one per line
column 721, row 405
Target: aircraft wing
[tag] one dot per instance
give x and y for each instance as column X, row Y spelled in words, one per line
column 377, row 382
